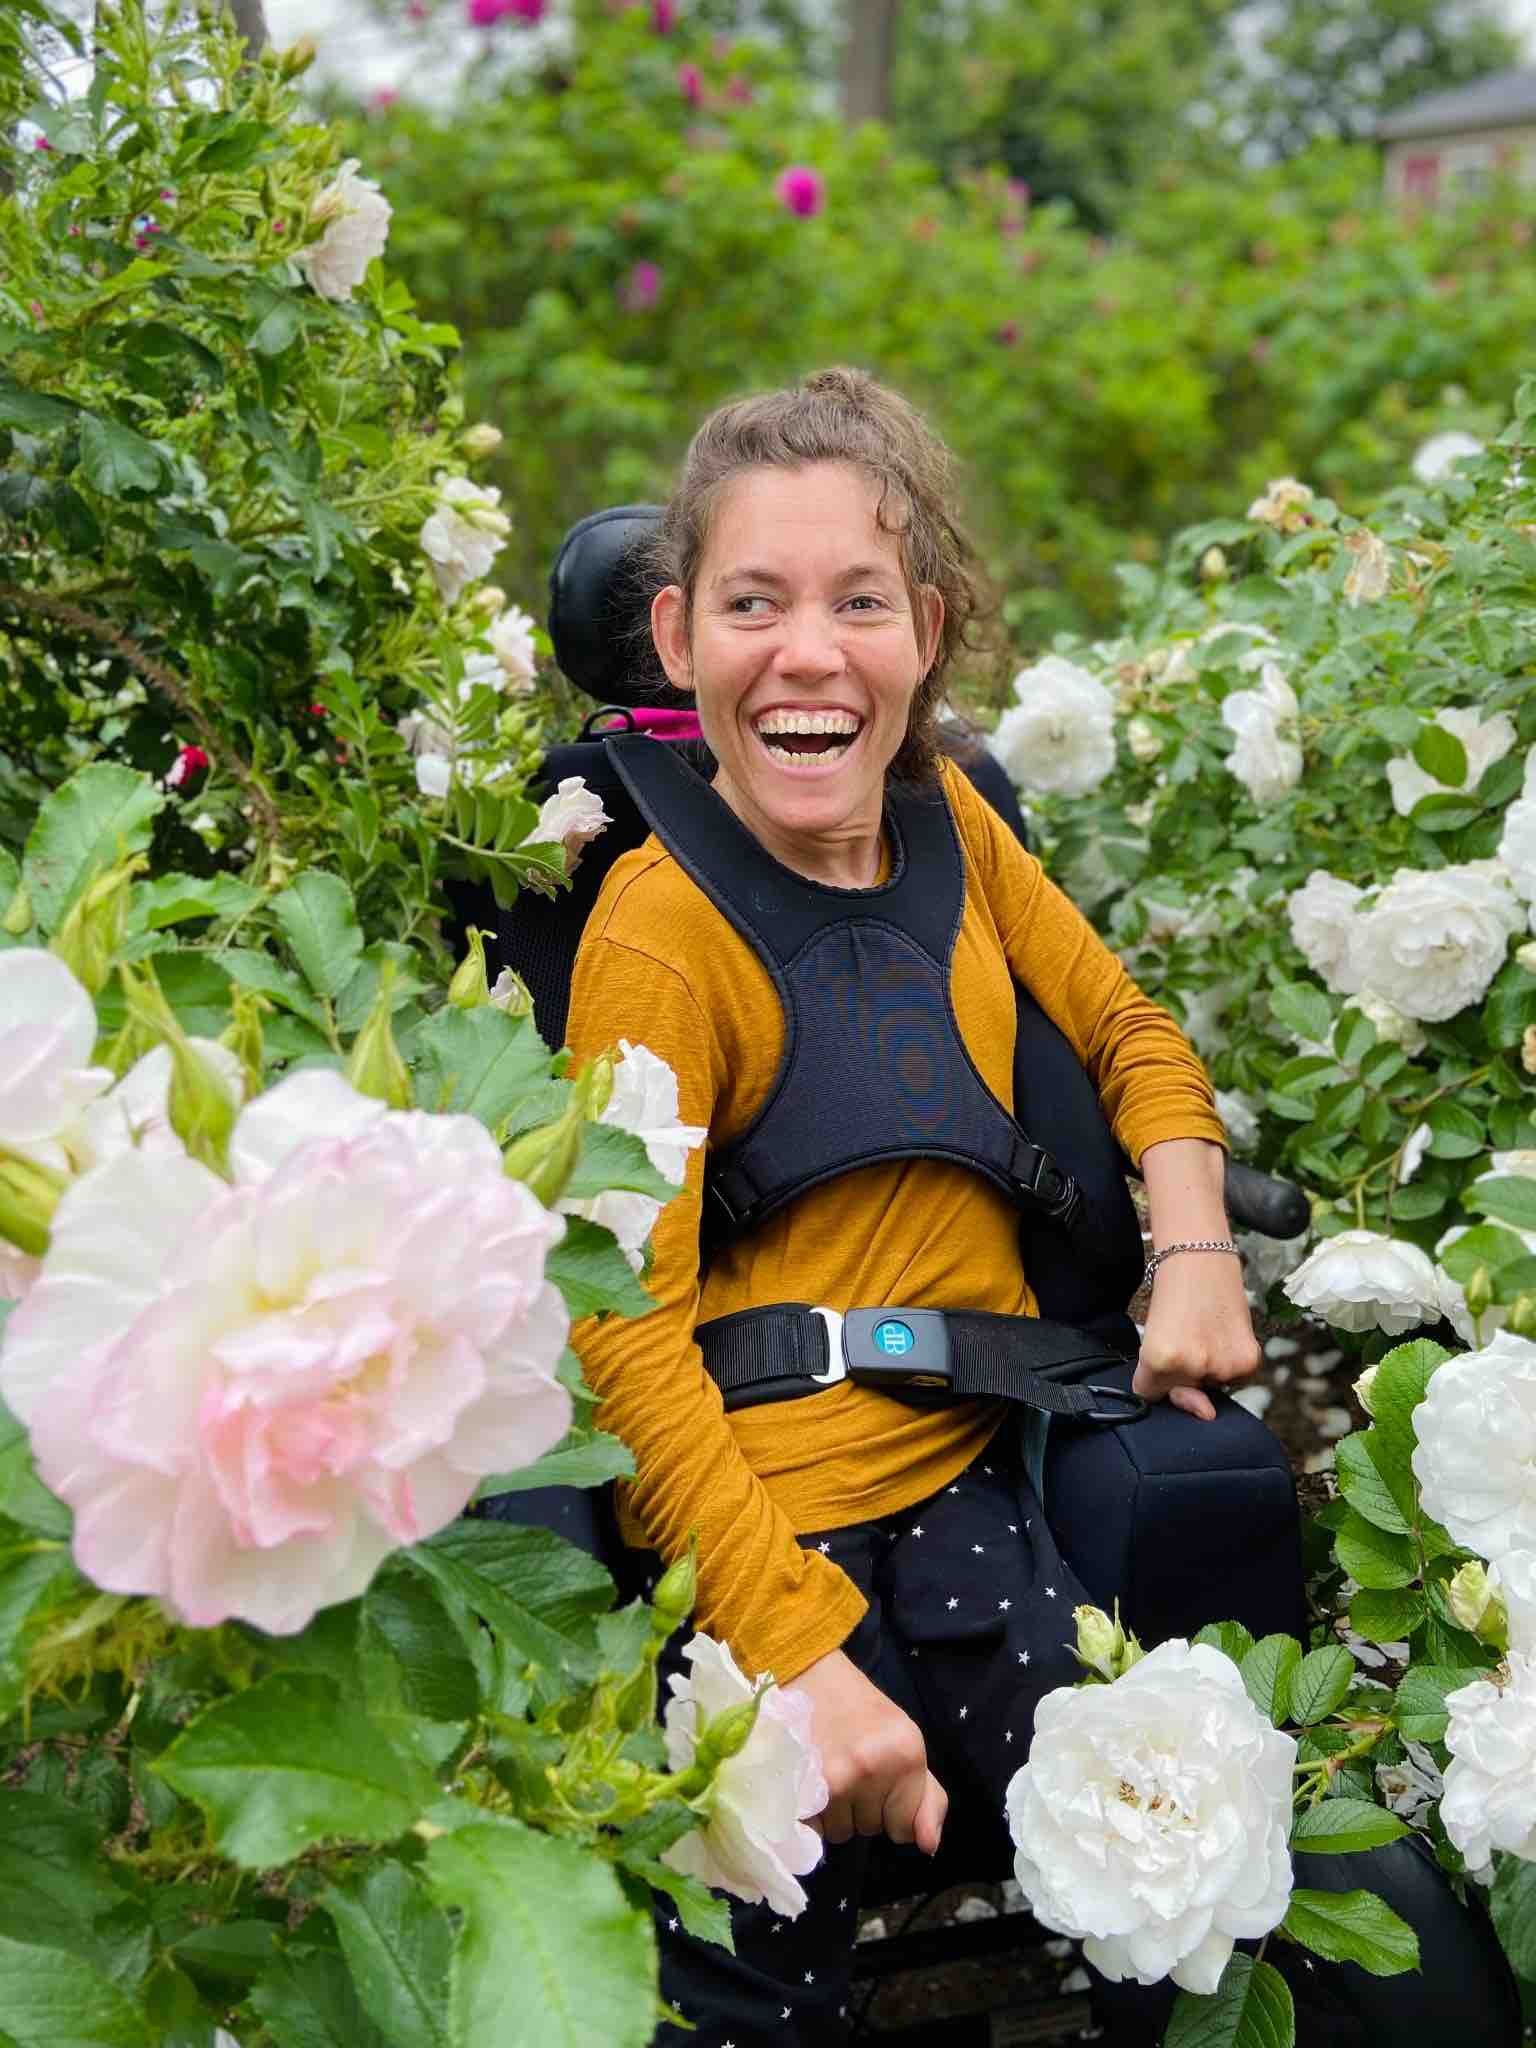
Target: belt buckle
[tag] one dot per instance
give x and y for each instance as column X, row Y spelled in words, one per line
column 837, row 1357
column 897, row 1347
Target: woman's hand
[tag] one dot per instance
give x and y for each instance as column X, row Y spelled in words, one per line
column 1198, row 1331
column 1198, row 1327
column 873, row 1757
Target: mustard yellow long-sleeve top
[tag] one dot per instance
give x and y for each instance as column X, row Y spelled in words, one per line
column 660, row 966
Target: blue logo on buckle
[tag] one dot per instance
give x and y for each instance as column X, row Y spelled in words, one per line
column 894, row 1339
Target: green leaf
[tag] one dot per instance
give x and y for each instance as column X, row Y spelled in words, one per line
column 1455, row 1133
column 175, row 899
column 89, row 822
column 553, row 1580
column 308, row 2000
column 33, row 411
column 1250, row 2008
column 1485, row 1244
column 613, row 1158
column 50, row 1998
column 1373, row 1557
column 1387, row 1615
column 1303, row 1010
column 1267, row 1671
column 1230, row 1637
column 1354, row 1038
column 1513, row 1903
column 1511, row 1198
column 232, row 1951
column 1440, row 754
column 397, row 1945
column 592, row 1460
column 1445, row 813
column 1413, row 1204
column 1352, row 1927
column 289, row 1763
column 1363, row 1487
column 1320, row 1682
column 115, row 460
column 1418, row 1707
column 593, row 1274
column 318, row 918
column 549, row 1953
column 52, row 1884
column 477, row 1062
column 1337, row 1827
column 431, row 1671
column 1402, row 1378
column 268, row 977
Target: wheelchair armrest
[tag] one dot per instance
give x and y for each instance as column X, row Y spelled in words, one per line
column 1258, row 1201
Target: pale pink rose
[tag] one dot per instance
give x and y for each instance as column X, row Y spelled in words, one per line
column 573, row 817
column 644, row 1103
column 355, row 216
column 251, row 1394
column 754, row 1844
column 47, row 1035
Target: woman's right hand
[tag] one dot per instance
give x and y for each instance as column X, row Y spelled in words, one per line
column 873, row 1758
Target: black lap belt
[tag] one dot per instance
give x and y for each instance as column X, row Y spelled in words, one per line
column 924, row 1355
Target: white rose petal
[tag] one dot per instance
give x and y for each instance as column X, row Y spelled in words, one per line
column 1283, row 505
column 1517, row 847
column 1267, row 758
column 1490, row 1781
column 1151, row 1820
column 573, row 817
column 135, row 1113
column 1415, row 1145
column 1323, row 915
column 464, row 533
column 1059, row 738
column 1360, row 1280
column 47, row 1035
column 1370, row 577
column 511, row 636
column 356, row 218
column 755, row 1844
column 1484, row 740
column 1513, row 1578
column 644, row 1103
column 1435, row 937
column 1475, row 1459
column 1437, row 457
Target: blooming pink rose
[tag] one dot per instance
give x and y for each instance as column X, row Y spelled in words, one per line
column 690, row 83
column 251, row 1393
column 802, row 190
column 663, row 16
column 641, row 288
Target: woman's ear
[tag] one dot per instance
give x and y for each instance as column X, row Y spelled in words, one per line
column 669, row 630
column 930, row 624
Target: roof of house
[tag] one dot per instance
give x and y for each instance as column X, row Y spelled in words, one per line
column 1504, row 99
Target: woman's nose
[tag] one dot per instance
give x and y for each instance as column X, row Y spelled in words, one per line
column 810, row 645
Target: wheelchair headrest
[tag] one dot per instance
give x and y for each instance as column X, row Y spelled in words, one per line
column 599, row 607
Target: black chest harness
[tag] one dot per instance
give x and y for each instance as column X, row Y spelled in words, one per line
column 874, row 1069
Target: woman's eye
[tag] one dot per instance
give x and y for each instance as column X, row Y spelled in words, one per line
column 743, row 607
column 867, row 601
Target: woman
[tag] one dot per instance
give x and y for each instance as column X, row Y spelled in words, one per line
column 817, row 590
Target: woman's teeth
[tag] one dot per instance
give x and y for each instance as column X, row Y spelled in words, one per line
column 796, row 736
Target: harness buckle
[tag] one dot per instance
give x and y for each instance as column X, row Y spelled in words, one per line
column 1050, row 1185
column 837, row 1358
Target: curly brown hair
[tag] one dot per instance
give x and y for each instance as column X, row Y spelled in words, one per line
column 848, row 416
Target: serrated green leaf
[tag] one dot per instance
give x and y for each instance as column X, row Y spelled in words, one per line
column 1513, row 1904
column 405, row 1620
column 557, row 1643
column 1418, row 1709
column 1267, row 1671
column 477, row 1062
column 115, row 460
column 1250, row 2008
column 1320, row 1682
column 269, row 977
column 307, row 2000
column 1363, row 1487
column 1386, row 1616
column 1337, row 1827
column 100, row 814
column 1511, row 1198
column 52, row 1884
column 593, row 1274
column 1440, row 754
column 318, row 918
column 1402, row 1378
column 614, row 1158
column 1230, row 1637
column 175, row 899
column 594, row 1459
column 1354, row 1037
column 289, row 1763
column 548, row 1953
column 1455, row 1133
column 34, row 412
column 50, row 1998
column 1444, row 813
column 1485, row 1244
column 1303, row 1010
column 1352, row 1927
column 397, row 1945
column 1373, row 1557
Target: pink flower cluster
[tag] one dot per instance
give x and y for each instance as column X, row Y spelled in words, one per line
column 802, row 190
column 486, row 13
column 641, row 288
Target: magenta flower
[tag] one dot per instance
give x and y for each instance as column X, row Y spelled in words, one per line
column 802, row 190
column 381, row 100
column 640, row 290
column 690, row 83
column 740, row 90
column 42, row 142
column 1008, row 333
column 486, row 13
column 663, row 16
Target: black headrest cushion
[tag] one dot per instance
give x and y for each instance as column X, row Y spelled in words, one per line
column 600, row 595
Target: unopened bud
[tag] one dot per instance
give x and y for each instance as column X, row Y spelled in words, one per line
column 1363, row 1387
column 675, row 1591
column 469, row 989
column 243, row 1035
column 544, row 1158
column 1475, row 1605
column 1522, row 1315
column 200, row 1107
column 1103, row 1645
column 1213, row 566
column 481, row 440
column 29, row 1194
column 88, row 940
column 728, row 1734
column 490, row 598
column 19, row 917
column 1525, row 956
column 374, row 1066
column 594, row 1085
column 1479, row 1292
column 634, row 1704
column 1528, row 1049
column 1143, row 740
column 297, row 58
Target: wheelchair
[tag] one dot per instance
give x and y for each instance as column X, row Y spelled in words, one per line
column 1181, row 1524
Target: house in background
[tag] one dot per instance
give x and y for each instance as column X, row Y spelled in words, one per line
column 1455, row 143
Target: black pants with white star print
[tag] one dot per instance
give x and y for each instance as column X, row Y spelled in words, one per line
column 969, row 1622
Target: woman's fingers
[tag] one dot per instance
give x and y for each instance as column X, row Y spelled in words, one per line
column 1193, row 1402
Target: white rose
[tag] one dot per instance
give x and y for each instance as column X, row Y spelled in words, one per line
column 1151, row 1820
column 1490, row 1781
column 573, row 817
column 355, row 216
column 1517, row 847
column 1060, row 736
column 1240, row 1115
column 1323, row 915
column 1267, row 759
column 1411, row 1787
column 755, row 1844
column 1435, row 937
column 463, row 534
column 1453, row 1296
column 1392, row 1027
column 1370, row 577
column 511, row 637
column 1475, row 1459
column 644, row 1103
column 1437, row 457
column 1484, row 740
column 1361, row 1280
column 481, row 672
column 1143, row 739
column 135, row 1114
column 1283, row 505
column 47, row 1035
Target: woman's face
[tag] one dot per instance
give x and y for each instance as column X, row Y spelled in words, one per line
column 804, row 656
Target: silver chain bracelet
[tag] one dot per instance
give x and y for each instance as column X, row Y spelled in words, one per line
column 1197, row 1244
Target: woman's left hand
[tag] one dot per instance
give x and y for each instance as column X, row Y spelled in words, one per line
column 1199, row 1332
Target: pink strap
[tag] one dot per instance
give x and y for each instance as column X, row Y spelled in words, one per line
column 668, row 725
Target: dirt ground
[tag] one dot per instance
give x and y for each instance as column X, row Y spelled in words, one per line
column 1034, row 1991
